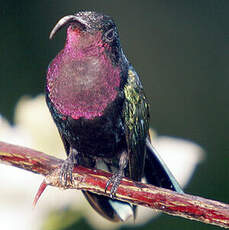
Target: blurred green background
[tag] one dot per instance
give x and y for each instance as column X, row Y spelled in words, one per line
column 180, row 50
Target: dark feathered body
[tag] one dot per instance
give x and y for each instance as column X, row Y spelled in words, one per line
column 97, row 102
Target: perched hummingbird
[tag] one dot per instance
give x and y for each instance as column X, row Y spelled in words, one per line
column 98, row 104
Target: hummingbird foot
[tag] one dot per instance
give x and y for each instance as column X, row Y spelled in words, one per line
column 115, row 181
column 117, row 177
column 67, row 168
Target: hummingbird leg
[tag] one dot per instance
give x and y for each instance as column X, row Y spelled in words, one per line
column 68, row 166
column 117, row 177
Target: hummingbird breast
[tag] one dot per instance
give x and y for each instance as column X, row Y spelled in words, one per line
column 82, row 86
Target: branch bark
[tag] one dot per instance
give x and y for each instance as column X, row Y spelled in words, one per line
column 172, row 203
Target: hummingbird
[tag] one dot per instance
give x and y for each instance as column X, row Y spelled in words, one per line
column 99, row 106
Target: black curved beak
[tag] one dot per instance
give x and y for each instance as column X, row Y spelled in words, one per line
column 82, row 24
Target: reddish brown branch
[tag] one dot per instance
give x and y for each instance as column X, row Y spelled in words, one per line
column 184, row 205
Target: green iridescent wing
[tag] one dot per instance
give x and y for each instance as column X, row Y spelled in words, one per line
column 136, row 120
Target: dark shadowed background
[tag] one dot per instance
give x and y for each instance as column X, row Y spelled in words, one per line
column 180, row 50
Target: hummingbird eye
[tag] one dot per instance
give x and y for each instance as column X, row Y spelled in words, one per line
column 109, row 35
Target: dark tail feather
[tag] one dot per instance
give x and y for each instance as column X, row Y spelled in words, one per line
column 156, row 171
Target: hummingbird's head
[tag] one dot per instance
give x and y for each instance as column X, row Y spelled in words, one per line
column 88, row 31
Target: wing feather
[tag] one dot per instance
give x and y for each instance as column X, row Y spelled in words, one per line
column 136, row 120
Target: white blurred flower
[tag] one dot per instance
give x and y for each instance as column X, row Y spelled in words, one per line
column 34, row 128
